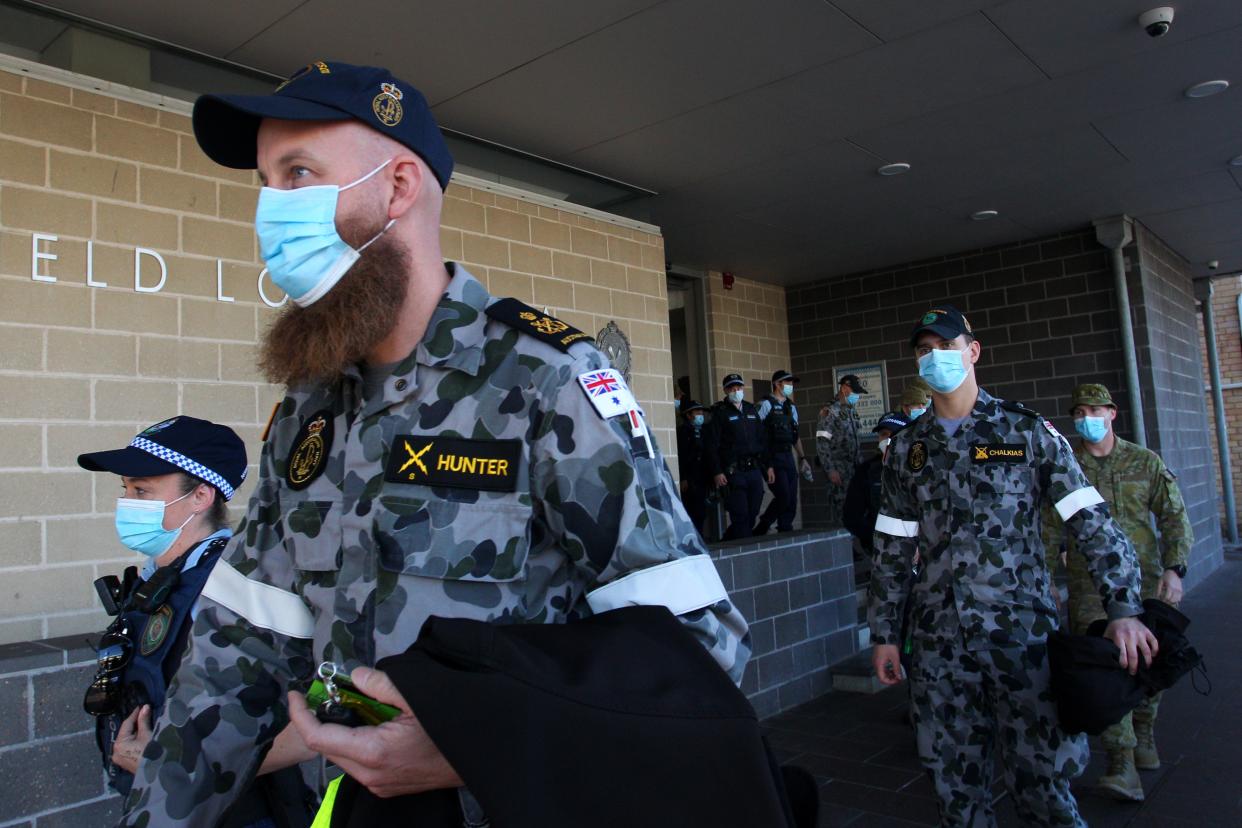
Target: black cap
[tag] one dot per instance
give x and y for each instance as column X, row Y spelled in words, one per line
column 227, row 126
column 732, row 379
column 212, row 453
column 945, row 321
column 854, row 383
column 783, row 375
column 692, row 405
column 893, row 422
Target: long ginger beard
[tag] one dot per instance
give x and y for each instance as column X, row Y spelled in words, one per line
column 316, row 344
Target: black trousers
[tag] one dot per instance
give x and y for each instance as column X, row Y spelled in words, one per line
column 742, row 504
column 784, row 505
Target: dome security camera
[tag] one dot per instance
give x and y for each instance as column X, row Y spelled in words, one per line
column 1157, row 22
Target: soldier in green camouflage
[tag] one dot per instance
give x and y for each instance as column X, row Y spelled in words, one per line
column 962, row 487
column 1137, row 486
column 476, row 459
column 836, row 443
column 916, row 398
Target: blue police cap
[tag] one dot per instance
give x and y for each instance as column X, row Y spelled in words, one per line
column 213, row 453
column 227, row 126
column 893, row 421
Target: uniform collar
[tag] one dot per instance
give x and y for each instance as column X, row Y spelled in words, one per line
column 986, row 407
column 148, row 569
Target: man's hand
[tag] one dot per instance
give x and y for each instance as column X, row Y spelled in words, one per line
column 1133, row 639
column 804, row 466
column 394, row 759
column 886, row 661
column 771, row 476
column 132, row 738
column 1169, row 589
column 823, row 412
column 834, row 477
column 721, row 480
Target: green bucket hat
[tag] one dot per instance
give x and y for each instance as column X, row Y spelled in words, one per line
column 1091, row 393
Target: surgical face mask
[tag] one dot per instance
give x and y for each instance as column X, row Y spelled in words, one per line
column 140, row 525
column 915, row 413
column 852, row 399
column 787, row 390
column 943, row 369
column 737, row 395
column 676, row 405
column 1092, row 429
column 697, row 420
column 304, row 254
column 884, row 444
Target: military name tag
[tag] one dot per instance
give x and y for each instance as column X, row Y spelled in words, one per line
column 309, row 456
column 998, row 453
column 455, row 462
column 917, row 456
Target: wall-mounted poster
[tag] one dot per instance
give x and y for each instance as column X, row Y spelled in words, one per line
column 872, row 405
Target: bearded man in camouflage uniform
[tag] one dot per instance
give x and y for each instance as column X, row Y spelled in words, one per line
column 1136, row 485
column 440, row 452
column 836, row 443
column 962, row 487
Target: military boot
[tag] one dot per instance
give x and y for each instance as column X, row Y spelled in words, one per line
column 1121, row 781
column 1145, row 755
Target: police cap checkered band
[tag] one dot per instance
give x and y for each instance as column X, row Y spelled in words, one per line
column 185, row 464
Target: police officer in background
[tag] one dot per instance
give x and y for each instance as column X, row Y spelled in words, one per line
column 836, row 442
column 439, row 452
column 1137, row 486
column 962, row 487
column 737, row 456
column 780, row 420
column 691, row 466
column 176, row 477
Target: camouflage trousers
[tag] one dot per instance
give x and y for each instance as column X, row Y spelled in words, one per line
column 836, row 501
column 968, row 704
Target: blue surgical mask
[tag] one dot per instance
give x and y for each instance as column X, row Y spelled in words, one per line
column 787, row 390
column 1092, row 429
column 736, row 396
column 304, row 254
column 852, row 399
column 944, row 370
column 140, row 525
column 697, row 420
column 915, row 413
column 677, row 405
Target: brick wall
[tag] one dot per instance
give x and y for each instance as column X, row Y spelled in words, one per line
column 1229, row 354
column 1043, row 310
column 747, row 330
column 84, row 367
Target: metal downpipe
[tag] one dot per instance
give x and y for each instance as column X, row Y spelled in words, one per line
column 1137, row 423
column 1218, row 408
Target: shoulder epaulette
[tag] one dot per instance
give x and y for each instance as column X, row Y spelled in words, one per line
column 1019, row 408
column 549, row 329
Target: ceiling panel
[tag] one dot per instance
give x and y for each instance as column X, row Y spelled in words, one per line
column 1207, row 130
column 670, row 59
column 215, row 28
column 891, row 19
column 443, row 47
column 1207, row 224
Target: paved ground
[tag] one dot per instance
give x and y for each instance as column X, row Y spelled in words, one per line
column 862, row 751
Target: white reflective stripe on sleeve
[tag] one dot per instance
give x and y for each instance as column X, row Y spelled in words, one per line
column 1069, row 505
column 684, row 585
column 897, row 528
column 827, row 435
column 263, row 605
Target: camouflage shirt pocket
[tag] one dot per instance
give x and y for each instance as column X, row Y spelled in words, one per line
column 484, row 541
column 312, row 533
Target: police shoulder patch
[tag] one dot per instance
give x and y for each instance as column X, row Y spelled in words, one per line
column 155, row 630
column 558, row 334
column 608, row 392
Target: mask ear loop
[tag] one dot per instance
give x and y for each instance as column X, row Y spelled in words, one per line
column 355, row 184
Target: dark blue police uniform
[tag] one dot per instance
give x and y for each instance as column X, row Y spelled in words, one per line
column 737, row 447
column 780, row 421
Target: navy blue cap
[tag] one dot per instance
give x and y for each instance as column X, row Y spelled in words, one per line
column 732, row 379
column 227, row 126
column 854, row 383
column 692, row 405
column 945, row 321
column 213, row 453
column 783, row 375
column 893, row 421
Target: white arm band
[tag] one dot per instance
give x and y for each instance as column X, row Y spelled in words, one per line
column 263, row 605
column 896, row 528
column 684, row 585
column 1078, row 499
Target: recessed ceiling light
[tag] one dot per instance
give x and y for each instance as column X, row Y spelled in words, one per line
column 1236, row 161
column 984, row 215
column 1207, row 89
column 894, row 169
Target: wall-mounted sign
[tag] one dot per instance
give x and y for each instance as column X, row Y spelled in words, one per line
column 872, row 405
column 616, row 346
column 150, row 271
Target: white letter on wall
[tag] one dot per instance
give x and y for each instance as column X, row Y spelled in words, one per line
column 90, row 267
column 139, row 252
column 263, row 295
column 220, row 297
column 36, row 255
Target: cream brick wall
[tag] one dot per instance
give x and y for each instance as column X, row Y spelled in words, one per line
column 747, row 329
column 84, row 367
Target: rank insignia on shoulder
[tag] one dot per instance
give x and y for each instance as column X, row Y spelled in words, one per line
column 454, row 462
column 310, row 451
column 1051, row 428
column 916, row 457
column 608, row 392
column 558, row 334
column 998, row 453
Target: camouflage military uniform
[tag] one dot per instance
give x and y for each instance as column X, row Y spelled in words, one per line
column 345, row 551
column 969, row 503
column 1136, row 484
column 836, row 443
